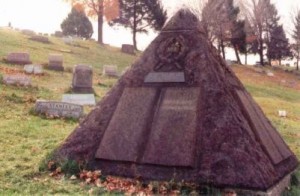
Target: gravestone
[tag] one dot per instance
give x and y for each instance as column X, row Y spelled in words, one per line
column 20, row 58
column 55, row 62
column 68, row 40
column 34, row 69
column 110, row 70
column 58, row 34
column 21, row 80
column 128, row 49
column 82, row 79
column 58, row 109
column 28, row 32
column 80, row 99
column 40, row 38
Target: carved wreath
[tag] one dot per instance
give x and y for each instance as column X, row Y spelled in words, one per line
column 170, row 52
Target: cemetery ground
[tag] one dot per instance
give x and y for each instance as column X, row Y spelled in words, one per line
column 26, row 139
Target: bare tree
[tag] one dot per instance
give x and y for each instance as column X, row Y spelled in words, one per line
column 262, row 15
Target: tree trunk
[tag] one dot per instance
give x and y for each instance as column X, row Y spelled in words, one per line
column 100, row 22
column 298, row 55
column 134, row 29
column 237, row 54
column 223, row 49
column 261, row 47
column 246, row 55
column 280, row 62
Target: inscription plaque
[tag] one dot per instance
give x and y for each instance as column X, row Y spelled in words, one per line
column 172, row 139
column 58, row 109
column 17, row 80
column 128, row 127
column 164, row 77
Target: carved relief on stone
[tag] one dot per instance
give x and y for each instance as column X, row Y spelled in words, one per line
column 170, row 53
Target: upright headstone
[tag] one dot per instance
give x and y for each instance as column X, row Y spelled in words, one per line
column 80, row 99
column 82, row 79
column 68, row 40
column 20, row 58
column 128, row 49
column 40, row 38
column 58, row 109
column 58, row 34
column 55, row 62
column 110, row 70
column 21, row 80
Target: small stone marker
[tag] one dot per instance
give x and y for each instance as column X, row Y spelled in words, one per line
column 20, row 58
column 80, row 99
column 270, row 74
column 68, row 40
column 282, row 113
column 39, row 38
column 58, row 34
column 28, row 32
column 128, row 49
column 55, row 62
column 17, row 80
column 164, row 77
column 82, row 79
column 59, row 109
column 33, row 69
column 110, row 70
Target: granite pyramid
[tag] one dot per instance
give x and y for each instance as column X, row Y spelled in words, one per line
column 181, row 113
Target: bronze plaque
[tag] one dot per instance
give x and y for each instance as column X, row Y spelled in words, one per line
column 127, row 129
column 172, row 139
column 266, row 133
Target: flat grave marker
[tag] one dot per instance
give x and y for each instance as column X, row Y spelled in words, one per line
column 80, row 99
column 33, row 69
column 17, row 80
column 58, row 109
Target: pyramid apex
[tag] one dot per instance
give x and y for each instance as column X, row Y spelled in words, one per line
column 184, row 19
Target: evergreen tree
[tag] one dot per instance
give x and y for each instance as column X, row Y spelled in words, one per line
column 296, row 37
column 77, row 24
column 278, row 46
column 140, row 15
column 238, row 39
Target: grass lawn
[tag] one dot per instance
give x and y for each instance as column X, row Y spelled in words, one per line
column 26, row 139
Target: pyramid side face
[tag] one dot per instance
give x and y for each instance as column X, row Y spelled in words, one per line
column 180, row 111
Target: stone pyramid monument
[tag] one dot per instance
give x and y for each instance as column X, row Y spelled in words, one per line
column 181, row 113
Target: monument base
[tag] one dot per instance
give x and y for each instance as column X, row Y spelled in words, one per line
column 82, row 90
column 55, row 67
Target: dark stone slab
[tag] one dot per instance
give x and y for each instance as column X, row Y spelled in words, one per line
column 165, row 77
column 270, row 139
column 128, row 49
column 127, row 129
column 172, row 140
column 39, row 38
column 80, row 99
column 59, row 109
column 21, row 80
column 20, row 58
column 82, row 79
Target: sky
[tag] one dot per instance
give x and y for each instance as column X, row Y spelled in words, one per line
column 45, row 16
